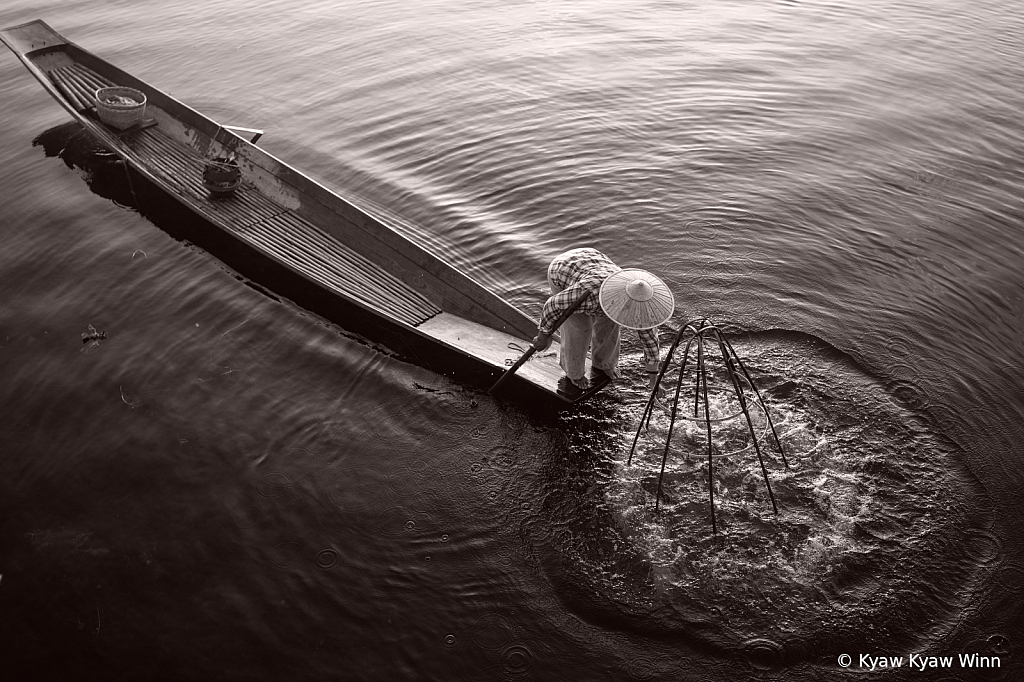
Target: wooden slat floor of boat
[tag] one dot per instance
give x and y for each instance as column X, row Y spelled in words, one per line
column 280, row 231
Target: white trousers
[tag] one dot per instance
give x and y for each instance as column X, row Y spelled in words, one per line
column 577, row 334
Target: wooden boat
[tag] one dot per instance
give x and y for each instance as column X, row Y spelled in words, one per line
column 334, row 258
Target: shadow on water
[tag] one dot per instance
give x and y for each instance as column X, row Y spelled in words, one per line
column 107, row 176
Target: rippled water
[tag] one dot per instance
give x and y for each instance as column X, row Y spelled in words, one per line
column 228, row 486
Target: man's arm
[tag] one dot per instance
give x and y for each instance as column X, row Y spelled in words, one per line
column 554, row 308
column 652, row 354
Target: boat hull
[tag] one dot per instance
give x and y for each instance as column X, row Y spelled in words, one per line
column 297, row 237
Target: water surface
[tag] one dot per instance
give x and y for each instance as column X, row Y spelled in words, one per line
column 227, row 486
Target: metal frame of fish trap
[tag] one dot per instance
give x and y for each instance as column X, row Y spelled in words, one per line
column 738, row 375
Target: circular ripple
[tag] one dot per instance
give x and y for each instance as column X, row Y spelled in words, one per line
column 492, row 631
column 406, row 482
column 359, row 489
column 949, row 420
column 246, row 518
column 450, row 640
column 389, row 431
column 649, row 667
column 909, row 394
column 285, row 554
column 1011, row 577
column 762, row 654
column 501, row 458
column 426, row 501
column 516, row 659
column 998, row 645
column 984, row 547
column 273, row 484
column 641, row 668
column 902, row 359
column 537, row 530
column 397, row 521
column 326, row 559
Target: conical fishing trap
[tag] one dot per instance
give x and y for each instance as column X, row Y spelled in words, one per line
column 708, row 354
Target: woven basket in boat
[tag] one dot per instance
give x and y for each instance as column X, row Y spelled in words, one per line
column 120, row 116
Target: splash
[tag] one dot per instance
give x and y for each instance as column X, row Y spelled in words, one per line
column 870, row 491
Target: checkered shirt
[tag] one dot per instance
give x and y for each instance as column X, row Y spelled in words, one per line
column 579, row 271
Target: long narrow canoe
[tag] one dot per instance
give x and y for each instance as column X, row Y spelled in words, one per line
column 343, row 263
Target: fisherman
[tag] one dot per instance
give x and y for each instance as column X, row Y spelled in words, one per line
column 632, row 298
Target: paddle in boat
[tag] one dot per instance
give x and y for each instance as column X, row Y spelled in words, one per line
column 343, row 263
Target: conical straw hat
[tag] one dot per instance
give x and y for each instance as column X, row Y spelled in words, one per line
column 636, row 299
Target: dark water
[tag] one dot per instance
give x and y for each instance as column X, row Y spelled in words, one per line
column 226, row 487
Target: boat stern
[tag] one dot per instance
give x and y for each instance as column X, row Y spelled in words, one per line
column 25, row 39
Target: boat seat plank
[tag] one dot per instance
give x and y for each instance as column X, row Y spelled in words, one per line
column 498, row 348
column 279, row 231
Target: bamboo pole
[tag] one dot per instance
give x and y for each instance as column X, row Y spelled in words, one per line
column 758, row 394
column 671, row 425
column 66, row 90
column 87, row 95
column 90, row 76
column 750, row 425
column 532, row 349
column 707, row 420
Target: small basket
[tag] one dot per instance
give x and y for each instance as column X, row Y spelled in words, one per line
column 118, row 115
column 222, row 176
